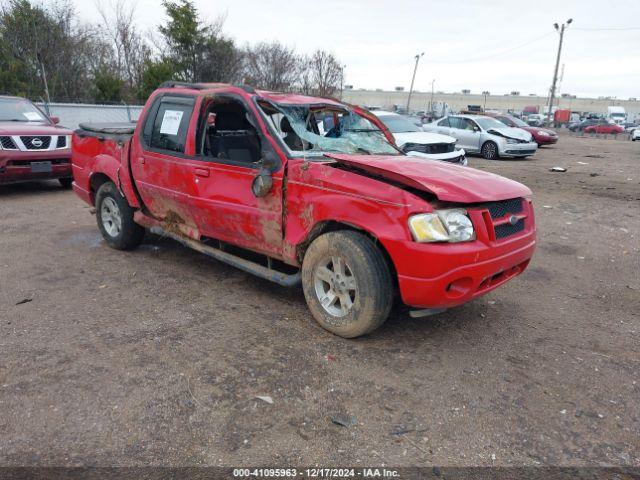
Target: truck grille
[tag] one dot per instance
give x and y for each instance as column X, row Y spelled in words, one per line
column 501, row 215
column 62, row 142
column 506, row 229
column 500, row 209
column 7, row 143
column 429, row 148
column 40, row 142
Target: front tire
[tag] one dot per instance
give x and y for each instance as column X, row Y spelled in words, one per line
column 489, row 150
column 347, row 283
column 115, row 219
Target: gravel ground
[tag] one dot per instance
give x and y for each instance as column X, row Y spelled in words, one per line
column 155, row 357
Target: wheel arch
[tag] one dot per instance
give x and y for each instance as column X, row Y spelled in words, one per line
column 326, row 226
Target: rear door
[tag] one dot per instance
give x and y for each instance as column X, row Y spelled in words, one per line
column 164, row 174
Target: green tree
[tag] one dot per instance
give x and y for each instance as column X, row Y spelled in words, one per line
column 107, row 86
column 199, row 51
column 153, row 74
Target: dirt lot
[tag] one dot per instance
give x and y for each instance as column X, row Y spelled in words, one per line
column 155, row 357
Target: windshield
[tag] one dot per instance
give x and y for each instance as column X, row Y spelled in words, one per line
column 487, row 123
column 19, row 110
column 398, row 124
column 513, row 121
column 318, row 129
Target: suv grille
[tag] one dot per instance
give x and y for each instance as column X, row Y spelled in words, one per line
column 500, row 213
column 500, row 209
column 62, row 142
column 8, row 143
column 506, row 229
column 36, row 142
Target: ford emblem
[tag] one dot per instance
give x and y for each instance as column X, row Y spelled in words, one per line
column 513, row 219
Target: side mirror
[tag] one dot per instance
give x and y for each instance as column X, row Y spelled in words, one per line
column 55, row 120
column 476, row 128
column 262, row 183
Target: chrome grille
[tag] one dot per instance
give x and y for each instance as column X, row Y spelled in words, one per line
column 36, row 142
column 7, row 143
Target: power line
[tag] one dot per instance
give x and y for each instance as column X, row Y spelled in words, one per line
column 602, row 29
column 495, row 54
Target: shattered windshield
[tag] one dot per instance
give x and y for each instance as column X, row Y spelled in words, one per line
column 318, row 129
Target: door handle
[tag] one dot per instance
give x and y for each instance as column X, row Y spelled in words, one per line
column 202, row 172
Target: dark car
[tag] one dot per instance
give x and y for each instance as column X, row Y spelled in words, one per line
column 542, row 136
column 580, row 126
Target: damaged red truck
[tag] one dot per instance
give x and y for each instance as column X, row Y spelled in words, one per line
column 299, row 189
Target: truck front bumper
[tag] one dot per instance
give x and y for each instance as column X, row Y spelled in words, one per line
column 445, row 275
column 464, row 283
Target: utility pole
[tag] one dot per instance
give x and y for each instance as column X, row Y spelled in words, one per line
column 431, row 106
column 552, row 94
column 415, row 69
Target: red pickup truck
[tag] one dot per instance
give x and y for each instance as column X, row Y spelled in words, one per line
column 32, row 145
column 298, row 189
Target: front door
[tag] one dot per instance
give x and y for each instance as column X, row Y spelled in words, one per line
column 230, row 145
column 466, row 132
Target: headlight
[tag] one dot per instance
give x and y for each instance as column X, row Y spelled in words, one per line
column 544, row 134
column 442, row 226
column 512, row 140
column 68, row 141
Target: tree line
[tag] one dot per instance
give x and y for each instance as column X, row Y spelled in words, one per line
column 48, row 53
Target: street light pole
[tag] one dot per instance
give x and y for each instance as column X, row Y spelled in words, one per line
column 415, row 69
column 432, row 82
column 552, row 94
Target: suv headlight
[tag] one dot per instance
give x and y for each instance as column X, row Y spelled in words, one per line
column 442, row 226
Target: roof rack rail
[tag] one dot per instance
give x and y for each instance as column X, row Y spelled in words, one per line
column 173, row 84
column 246, row 88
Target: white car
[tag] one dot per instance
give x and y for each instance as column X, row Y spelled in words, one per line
column 635, row 134
column 486, row 136
column 414, row 141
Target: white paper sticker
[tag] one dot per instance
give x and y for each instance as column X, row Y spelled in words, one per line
column 171, row 122
column 32, row 116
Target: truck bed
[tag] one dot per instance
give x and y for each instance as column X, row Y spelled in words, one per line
column 115, row 131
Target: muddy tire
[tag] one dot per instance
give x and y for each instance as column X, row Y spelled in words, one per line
column 115, row 219
column 347, row 283
column 65, row 182
column 489, row 150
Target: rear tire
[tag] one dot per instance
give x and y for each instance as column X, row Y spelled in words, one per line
column 115, row 219
column 347, row 283
column 65, row 182
column 489, row 150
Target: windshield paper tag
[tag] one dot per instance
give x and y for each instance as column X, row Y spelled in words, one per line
column 32, row 116
column 171, row 122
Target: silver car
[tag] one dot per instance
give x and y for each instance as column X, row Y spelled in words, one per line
column 485, row 135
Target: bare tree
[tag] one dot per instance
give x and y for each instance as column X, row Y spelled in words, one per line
column 321, row 74
column 272, row 66
column 130, row 50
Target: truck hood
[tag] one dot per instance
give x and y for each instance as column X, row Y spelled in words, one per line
column 448, row 182
column 32, row 128
column 422, row 138
column 510, row 132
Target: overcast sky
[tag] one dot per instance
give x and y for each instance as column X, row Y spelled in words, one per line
column 495, row 45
